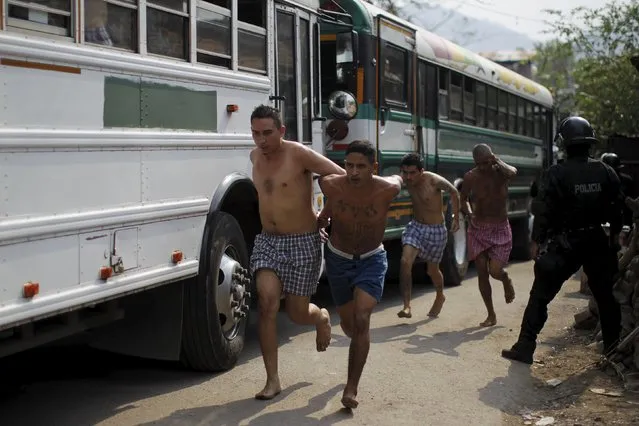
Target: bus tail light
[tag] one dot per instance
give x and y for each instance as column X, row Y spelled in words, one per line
column 30, row 289
column 177, row 256
column 106, row 272
column 232, row 108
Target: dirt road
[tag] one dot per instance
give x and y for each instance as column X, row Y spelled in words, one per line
column 446, row 371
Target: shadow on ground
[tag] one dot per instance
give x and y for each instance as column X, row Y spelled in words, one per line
column 238, row 412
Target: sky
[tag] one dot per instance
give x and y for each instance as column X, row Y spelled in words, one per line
column 524, row 16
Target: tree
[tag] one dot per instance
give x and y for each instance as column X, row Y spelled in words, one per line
column 603, row 41
column 555, row 62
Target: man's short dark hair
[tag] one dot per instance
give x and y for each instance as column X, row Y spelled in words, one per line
column 363, row 147
column 412, row 159
column 266, row 111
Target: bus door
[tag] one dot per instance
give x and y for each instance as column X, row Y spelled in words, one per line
column 396, row 74
column 296, row 79
column 296, row 67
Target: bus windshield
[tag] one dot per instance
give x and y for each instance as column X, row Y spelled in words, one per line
column 337, row 55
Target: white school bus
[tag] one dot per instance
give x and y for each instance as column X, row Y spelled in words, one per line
column 126, row 208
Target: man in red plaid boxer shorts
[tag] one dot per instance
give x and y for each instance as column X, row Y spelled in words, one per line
column 489, row 233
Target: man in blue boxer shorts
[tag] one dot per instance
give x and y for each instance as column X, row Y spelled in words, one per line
column 355, row 260
column 425, row 236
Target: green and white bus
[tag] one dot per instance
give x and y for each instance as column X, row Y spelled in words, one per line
column 408, row 90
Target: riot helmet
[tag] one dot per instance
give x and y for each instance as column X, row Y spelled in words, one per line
column 611, row 159
column 575, row 131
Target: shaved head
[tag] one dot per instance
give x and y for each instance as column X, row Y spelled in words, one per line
column 481, row 150
column 483, row 157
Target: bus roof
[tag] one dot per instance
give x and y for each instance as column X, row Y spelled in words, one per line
column 437, row 49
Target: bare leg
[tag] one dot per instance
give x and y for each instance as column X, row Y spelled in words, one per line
column 438, row 281
column 302, row 312
column 481, row 263
column 409, row 253
column 360, row 344
column 347, row 318
column 497, row 271
column 268, row 289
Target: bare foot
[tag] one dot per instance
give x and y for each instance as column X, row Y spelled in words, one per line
column 490, row 321
column 405, row 313
column 323, row 332
column 348, row 400
column 509, row 291
column 437, row 305
column 270, row 391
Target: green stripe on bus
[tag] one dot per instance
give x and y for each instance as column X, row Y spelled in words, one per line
column 145, row 104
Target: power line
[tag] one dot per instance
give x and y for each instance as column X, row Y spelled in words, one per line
column 499, row 12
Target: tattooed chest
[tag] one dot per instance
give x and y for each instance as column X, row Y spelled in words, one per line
column 355, row 210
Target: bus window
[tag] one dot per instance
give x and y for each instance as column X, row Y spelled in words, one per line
column 337, row 67
column 537, row 117
column 530, row 119
column 491, row 110
column 251, row 38
column 502, row 117
column 214, row 33
column 521, row 113
column 456, row 105
column 443, row 93
column 481, row 104
column 432, row 91
column 110, row 24
column 286, row 71
column 305, row 58
column 167, row 29
column 422, row 89
column 395, row 74
column 469, row 100
column 512, row 113
column 46, row 16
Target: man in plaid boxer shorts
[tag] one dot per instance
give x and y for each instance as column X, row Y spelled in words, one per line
column 286, row 256
column 489, row 233
column 425, row 236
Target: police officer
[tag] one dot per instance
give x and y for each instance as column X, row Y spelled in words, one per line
column 627, row 183
column 575, row 198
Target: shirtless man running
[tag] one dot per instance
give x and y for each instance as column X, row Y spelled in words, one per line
column 489, row 233
column 355, row 259
column 425, row 236
column 287, row 255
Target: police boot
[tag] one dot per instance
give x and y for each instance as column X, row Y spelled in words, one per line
column 521, row 351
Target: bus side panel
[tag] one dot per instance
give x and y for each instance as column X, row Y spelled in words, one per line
column 100, row 167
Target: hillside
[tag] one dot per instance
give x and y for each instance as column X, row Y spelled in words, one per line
column 474, row 34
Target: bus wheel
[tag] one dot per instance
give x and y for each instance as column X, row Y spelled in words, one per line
column 455, row 261
column 522, row 232
column 216, row 302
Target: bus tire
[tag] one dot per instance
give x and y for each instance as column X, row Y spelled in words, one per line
column 454, row 264
column 521, row 231
column 213, row 331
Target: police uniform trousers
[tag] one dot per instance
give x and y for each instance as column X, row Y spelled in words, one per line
column 587, row 248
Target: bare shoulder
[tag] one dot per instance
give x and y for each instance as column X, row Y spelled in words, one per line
column 387, row 184
column 330, row 183
column 432, row 177
column 294, row 148
column 470, row 174
column 253, row 155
